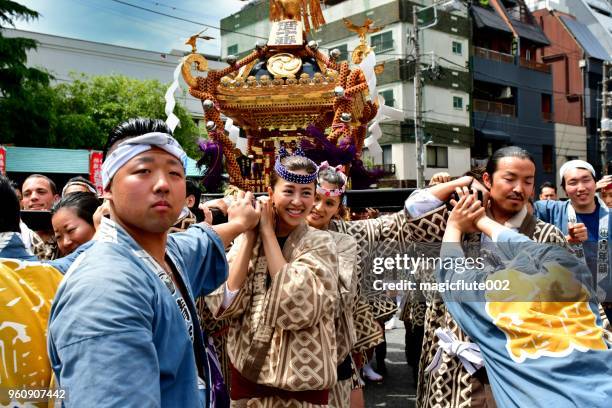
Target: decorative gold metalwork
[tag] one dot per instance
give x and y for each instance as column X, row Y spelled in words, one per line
column 284, row 64
column 201, row 65
column 194, row 38
column 360, row 52
column 363, row 49
column 307, row 10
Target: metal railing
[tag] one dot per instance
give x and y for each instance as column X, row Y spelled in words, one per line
column 534, row 65
column 496, row 108
column 493, row 55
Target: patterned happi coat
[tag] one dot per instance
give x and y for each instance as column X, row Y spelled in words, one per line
column 339, row 396
column 347, row 291
column 384, row 236
column 451, row 385
column 282, row 330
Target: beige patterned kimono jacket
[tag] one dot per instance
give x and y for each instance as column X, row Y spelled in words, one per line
column 346, row 246
column 282, row 332
column 383, row 236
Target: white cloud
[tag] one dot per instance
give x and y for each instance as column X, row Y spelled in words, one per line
column 110, row 22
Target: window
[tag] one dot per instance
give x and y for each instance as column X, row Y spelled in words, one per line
column 388, row 95
column 458, row 102
column 437, row 156
column 546, row 107
column 387, row 159
column 457, row 48
column 547, row 158
column 343, row 52
column 382, row 42
column 232, row 49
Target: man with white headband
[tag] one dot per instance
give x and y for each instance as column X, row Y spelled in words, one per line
column 584, row 218
column 123, row 329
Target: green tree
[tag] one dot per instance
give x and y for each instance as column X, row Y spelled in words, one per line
column 89, row 107
column 20, row 86
column 13, row 58
column 80, row 114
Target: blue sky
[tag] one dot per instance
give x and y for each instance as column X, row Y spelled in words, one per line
column 109, row 21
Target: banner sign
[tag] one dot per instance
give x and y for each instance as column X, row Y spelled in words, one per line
column 95, row 170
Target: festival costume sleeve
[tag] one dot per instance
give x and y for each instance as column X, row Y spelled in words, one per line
column 347, row 288
column 536, row 352
column 100, row 336
column 203, row 256
column 308, row 282
column 546, row 210
column 240, row 300
column 421, row 202
column 347, row 259
column 386, row 234
column 27, row 289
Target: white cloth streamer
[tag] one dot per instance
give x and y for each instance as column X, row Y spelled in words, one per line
column 384, row 112
column 234, row 135
column 367, row 67
column 468, row 353
column 171, row 119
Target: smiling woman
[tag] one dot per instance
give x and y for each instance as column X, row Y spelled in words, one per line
column 281, row 297
column 73, row 220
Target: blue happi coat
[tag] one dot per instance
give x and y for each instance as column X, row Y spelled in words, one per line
column 538, row 350
column 116, row 335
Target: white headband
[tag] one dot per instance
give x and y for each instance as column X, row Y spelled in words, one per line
column 79, row 183
column 575, row 164
column 132, row 147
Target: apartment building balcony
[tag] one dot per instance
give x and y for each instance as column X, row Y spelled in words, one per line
column 493, row 55
column 534, row 65
column 495, row 108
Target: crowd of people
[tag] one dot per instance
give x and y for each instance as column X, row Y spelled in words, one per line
column 142, row 296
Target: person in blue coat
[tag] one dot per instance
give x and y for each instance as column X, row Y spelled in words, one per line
column 585, row 220
column 533, row 316
column 123, row 329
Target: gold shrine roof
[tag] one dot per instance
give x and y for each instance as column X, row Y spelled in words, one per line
column 282, row 90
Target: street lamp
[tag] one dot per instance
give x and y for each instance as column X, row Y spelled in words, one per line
column 451, row 5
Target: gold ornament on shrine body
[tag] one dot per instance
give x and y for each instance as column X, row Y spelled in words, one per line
column 274, row 93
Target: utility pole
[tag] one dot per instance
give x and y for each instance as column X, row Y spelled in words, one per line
column 604, row 127
column 448, row 5
column 418, row 125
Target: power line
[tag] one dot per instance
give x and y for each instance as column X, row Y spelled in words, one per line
column 125, row 3
column 140, row 20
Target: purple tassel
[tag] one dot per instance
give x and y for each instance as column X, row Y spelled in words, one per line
column 212, row 158
column 361, row 178
column 324, row 150
column 219, row 396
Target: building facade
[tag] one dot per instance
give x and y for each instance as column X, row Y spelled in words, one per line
column 576, row 57
column 590, row 24
column 513, row 92
column 445, row 51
